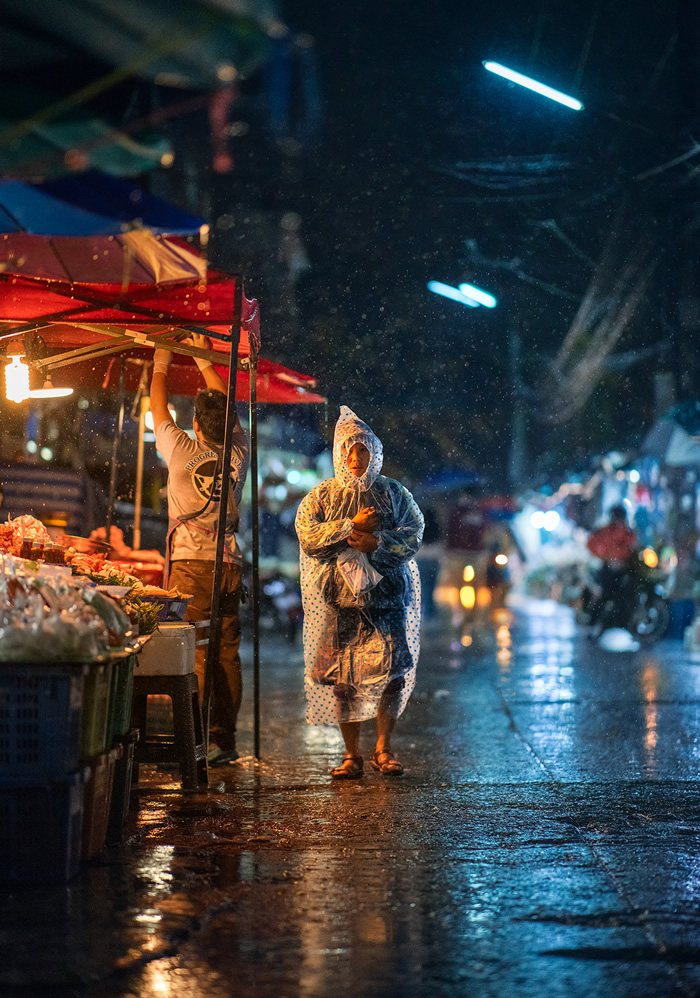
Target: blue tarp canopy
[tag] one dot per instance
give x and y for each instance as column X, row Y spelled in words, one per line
column 103, row 194
column 34, row 209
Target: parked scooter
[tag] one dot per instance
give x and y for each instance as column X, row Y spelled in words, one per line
column 637, row 602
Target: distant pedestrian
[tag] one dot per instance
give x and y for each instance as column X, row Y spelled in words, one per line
column 358, row 533
column 615, row 544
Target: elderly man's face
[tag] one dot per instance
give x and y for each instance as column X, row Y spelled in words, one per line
column 358, row 459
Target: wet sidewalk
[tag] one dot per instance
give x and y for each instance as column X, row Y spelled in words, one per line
column 543, row 839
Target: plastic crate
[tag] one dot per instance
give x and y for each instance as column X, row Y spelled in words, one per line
column 121, row 689
column 121, row 790
column 97, row 801
column 41, row 710
column 171, row 607
column 40, row 831
column 93, row 737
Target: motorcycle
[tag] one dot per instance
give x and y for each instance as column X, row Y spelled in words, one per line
column 637, row 602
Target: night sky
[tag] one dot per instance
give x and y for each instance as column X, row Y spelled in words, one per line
column 416, row 141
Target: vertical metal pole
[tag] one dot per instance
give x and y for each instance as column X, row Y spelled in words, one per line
column 253, row 419
column 143, row 409
column 115, row 453
column 516, row 461
column 215, row 619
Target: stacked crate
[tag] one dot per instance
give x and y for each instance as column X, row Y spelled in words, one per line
column 61, row 740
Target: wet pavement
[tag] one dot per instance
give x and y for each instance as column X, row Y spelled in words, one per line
column 543, row 839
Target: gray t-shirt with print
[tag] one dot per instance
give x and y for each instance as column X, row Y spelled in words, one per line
column 191, row 466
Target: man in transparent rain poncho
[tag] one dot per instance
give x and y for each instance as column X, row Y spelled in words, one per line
column 358, row 533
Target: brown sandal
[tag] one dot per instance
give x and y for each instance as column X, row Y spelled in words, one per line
column 351, row 768
column 390, row 767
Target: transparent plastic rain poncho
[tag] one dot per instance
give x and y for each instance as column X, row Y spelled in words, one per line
column 361, row 612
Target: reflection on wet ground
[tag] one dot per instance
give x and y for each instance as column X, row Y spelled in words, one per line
column 544, row 838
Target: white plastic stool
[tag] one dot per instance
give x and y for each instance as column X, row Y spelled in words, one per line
column 166, row 667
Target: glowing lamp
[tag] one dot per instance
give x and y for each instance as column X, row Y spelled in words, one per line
column 529, row 84
column 16, row 373
column 650, row 557
column 467, row 597
column 477, row 295
column 447, row 291
column 49, row 392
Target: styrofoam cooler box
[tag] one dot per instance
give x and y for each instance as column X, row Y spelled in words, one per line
column 170, row 652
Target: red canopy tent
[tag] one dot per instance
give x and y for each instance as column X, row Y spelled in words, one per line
column 152, row 291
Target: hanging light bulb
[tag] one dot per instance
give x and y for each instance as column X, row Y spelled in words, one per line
column 49, row 392
column 16, row 374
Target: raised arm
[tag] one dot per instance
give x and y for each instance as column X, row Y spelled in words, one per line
column 211, row 376
column 159, row 386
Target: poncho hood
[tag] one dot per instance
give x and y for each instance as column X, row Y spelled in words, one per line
column 349, row 430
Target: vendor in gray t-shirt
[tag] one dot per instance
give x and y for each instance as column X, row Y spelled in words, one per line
column 192, row 489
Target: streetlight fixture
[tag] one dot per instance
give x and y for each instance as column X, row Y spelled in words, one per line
column 479, row 296
column 530, row 84
column 455, row 294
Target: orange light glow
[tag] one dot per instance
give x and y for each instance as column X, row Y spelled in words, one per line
column 651, row 559
column 483, row 596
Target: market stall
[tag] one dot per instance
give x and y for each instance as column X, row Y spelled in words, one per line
column 152, row 291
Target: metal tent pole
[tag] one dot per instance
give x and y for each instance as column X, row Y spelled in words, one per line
column 253, row 421
column 115, row 453
column 215, row 620
column 144, row 404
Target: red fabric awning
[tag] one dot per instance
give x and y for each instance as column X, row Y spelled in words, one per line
column 45, row 300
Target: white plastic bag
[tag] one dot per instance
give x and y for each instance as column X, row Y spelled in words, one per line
column 355, row 568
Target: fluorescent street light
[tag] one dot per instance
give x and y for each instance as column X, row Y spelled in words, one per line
column 454, row 293
column 539, row 88
column 482, row 297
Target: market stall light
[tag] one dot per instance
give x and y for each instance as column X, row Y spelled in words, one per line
column 16, row 373
column 48, row 391
column 530, row 84
column 447, row 291
column 477, row 295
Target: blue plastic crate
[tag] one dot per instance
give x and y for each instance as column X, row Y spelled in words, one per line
column 41, row 716
column 41, row 831
column 96, row 703
column 121, row 690
column 98, row 799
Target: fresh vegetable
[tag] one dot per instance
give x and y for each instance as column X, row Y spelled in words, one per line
column 147, row 613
